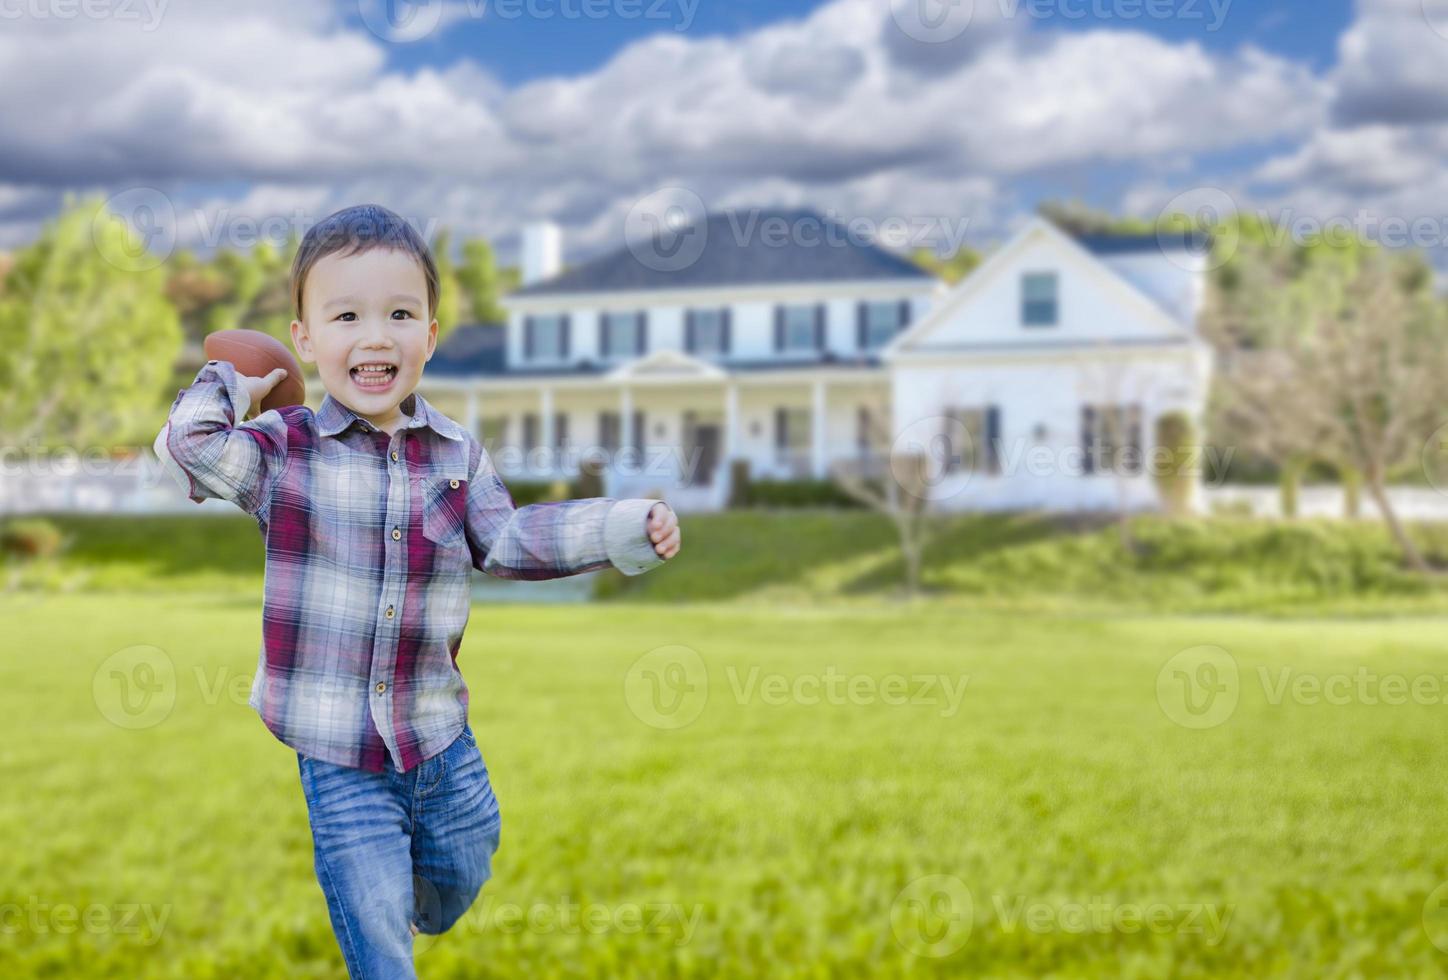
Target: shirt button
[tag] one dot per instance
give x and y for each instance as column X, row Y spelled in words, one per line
column 394, row 455
column 453, row 484
column 389, row 614
column 381, row 687
column 396, row 534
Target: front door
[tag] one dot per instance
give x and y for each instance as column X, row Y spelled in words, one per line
column 703, row 457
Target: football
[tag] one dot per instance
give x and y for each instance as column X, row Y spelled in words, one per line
column 256, row 355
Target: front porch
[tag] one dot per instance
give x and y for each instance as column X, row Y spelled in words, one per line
column 669, row 426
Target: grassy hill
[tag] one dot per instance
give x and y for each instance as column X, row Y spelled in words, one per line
column 1012, row 562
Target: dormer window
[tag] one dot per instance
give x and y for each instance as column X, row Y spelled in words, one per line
column 878, row 323
column 706, row 331
column 621, row 335
column 1040, row 305
column 799, row 328
column 545, row 338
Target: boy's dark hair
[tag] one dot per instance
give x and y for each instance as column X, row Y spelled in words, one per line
column 361, row 229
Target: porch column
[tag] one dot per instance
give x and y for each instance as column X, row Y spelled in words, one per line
column 545, row 426
column 625, row 419
column 471, row 416
column 817, row 430
column 731, row 422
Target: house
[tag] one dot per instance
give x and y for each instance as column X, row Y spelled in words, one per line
column 1041, row 378
column 785, row 342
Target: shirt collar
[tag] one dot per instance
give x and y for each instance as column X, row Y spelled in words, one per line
column 333, row 417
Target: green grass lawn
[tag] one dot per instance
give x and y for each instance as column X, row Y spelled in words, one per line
column 779, row 832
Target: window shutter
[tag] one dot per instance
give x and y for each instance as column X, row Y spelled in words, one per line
column 819, row 326
column 861, row 315
column 1088, row 439
column 689, row 331
column 779, row 328
column 560, row 429
column 527, row 337
column 728, row 315
column 638, row 429
column 563, row 338
column 603, row 350
column 781, row 438
column 904, row 315
column 643, row 338
column 992, row 439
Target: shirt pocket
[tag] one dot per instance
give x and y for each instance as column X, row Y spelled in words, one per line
column 445, row 511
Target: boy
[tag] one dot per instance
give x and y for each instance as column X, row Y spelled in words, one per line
column 374, row 509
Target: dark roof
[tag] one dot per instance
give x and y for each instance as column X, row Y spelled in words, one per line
column 1163, row 241
column 586, row 368
column 742, row 248
column 476, row 348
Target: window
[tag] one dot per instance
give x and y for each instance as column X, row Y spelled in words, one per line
column 706, row 331
column 799, row 328
column 637, row 441
column 621, row 334
column 1039, row 303
column 970, row 440
column 872, row 433
column 608, row 431
column 1111, row 439
column 545, row 338
column 791, row 432
column 878, row 323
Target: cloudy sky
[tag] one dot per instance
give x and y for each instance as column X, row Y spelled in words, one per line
column 952, row 117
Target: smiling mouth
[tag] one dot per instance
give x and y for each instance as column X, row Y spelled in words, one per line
column 373, row 375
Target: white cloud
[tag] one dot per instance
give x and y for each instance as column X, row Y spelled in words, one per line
column 833, row 110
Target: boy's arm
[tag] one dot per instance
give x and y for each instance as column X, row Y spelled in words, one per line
column 210, row 452
column 552, row 540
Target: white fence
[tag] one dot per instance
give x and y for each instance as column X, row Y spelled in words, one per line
column 139, row 485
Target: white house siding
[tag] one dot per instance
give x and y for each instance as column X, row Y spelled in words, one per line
column 751, row 327
column 1039, row 401
column 1095, row 306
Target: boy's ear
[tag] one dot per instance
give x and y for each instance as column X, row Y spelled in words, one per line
column 302, row 341
column 431, row 339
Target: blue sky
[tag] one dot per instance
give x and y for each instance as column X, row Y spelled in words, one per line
column 280, row 111
column 520, row 49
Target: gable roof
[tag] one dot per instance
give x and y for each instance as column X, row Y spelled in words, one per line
column 1079, row 247
column 740, row 249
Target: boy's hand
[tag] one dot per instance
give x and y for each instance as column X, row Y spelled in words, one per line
column 259, row 388
column 664, row 530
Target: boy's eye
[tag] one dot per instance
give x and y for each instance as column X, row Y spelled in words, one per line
column 401, row 314
column 347, row 316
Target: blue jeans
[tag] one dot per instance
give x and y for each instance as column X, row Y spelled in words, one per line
column 393, row 848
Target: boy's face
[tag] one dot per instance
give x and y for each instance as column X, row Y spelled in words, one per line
column 367, row 310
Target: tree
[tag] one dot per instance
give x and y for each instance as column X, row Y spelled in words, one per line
column 87, row 336
column 450, row 302
column 952, row 268
column 478, row 276
column 896, row 484
column 1341, row 364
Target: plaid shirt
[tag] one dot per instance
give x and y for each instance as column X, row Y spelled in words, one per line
column 370, row 544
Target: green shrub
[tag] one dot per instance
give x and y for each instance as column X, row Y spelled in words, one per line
column 797, row 493
column 29, row 538
column 1174, row 479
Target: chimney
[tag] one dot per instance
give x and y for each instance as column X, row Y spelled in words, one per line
column 542, row 251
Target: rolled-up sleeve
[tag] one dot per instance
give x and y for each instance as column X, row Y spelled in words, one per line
column 556, row 539
column 204, row 444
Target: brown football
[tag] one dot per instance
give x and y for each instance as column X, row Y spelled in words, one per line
column 256, row 354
